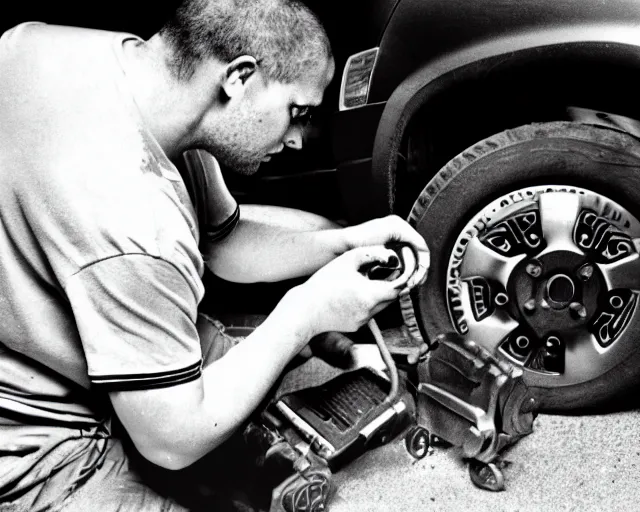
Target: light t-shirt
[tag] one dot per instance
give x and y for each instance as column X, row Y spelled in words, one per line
column 100, row 272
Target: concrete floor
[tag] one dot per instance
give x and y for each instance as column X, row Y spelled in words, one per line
column 581, row 463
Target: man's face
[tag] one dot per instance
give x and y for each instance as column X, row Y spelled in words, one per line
column 270, row 116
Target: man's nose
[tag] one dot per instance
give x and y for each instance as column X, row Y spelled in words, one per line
column 294, row 138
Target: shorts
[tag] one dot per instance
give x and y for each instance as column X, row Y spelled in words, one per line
column 96, row 468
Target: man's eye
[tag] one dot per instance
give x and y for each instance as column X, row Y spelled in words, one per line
column 300, row 115
column 300, row 112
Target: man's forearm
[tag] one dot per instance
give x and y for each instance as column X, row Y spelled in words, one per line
column 272, row 244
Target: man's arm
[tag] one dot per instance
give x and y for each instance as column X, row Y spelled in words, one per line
column 273, row 243
column 286, row 219
column 176, row 425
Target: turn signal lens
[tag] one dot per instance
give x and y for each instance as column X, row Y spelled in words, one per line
column 356, row 78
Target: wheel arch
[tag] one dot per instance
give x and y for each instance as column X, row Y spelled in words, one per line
column 516, row 60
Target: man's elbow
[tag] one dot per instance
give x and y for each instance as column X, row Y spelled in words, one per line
column 169, row 426
column 174, row 453
column 168, row 459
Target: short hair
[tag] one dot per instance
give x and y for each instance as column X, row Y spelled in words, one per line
column 284, row 36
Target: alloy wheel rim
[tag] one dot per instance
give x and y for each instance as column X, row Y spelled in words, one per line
column 548, row 277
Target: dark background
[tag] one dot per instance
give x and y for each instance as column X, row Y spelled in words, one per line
column 142, row 17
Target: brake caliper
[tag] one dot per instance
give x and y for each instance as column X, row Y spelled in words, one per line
column 470, row 399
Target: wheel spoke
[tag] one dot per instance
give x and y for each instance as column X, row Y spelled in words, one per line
column 490, row 331
column 480, row 261
column 583, row 357
column 624, row 273
column 558, row 214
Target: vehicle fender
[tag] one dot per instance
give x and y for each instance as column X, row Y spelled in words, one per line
column 420, row 87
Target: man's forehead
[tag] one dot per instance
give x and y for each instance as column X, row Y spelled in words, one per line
column 309, row 89
column 307, row 97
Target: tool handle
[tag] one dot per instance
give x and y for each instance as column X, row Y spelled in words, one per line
column 390, row 271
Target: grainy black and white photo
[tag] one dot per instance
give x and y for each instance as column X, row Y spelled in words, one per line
column 306, row 255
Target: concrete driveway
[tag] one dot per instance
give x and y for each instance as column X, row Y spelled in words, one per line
column 581, row 463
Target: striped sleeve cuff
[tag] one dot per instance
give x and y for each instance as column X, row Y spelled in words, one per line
column 218, row 232
column 140, row 381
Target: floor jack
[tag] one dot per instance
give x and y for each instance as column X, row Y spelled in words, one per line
column 464, row 396
column 305, row 436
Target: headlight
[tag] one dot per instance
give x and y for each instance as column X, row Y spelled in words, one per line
column 356, row 79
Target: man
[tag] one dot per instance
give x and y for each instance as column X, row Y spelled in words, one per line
column 100, row 267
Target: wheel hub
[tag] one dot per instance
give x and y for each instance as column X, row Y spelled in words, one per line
column 560, row 290
column 555, row 298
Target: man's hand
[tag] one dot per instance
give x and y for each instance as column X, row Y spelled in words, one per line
column 391, row 229
column 338, row 297
column 332, row 347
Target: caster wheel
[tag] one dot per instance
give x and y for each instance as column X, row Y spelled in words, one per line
column 486, row 476
column 417, row 442
column 302, row 493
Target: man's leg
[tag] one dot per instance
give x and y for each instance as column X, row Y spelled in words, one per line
column 56, row 468
column 118, row 486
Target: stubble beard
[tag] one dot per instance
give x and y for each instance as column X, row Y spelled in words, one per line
column 232, row 157
column 238, row 163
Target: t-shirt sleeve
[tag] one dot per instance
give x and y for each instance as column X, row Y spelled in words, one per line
column 135, row 315
column 217, row 210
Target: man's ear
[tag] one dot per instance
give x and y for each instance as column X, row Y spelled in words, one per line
column 237, row 72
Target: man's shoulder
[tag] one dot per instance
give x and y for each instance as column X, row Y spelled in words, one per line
column 13, row 35
column 21, row 36
column 69, row 78
column 55, row 51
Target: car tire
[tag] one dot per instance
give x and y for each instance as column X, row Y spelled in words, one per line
column 495, row 181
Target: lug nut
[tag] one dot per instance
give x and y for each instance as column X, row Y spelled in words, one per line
column 585, row 272
column 578, row 310
column 530, row 305
column 534, row 269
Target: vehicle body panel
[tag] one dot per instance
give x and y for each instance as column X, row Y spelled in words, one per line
column 425, row 31
column 432, row 45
